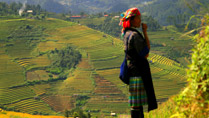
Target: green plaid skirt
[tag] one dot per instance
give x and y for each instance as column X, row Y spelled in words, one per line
column 138, row 96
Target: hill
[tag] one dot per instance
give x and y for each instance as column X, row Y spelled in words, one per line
column 91, row 6
column 158, row 9
column 165, row 40
column 92, row 85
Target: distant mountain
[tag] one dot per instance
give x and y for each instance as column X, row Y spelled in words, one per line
column 95, row 6
column 49, row 5
column 159, row 9
column 88, row 6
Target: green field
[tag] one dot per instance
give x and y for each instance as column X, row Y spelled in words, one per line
column 95, row 76
column 11, row 70
column 96, row 21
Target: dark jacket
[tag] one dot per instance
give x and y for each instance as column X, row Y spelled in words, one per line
column 138, row 65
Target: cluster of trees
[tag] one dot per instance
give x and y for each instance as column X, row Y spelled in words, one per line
column 180, row 21
column 111, row 25
column 26, row 32
column 162, row 9
column 13, row 9
column 63, row 59
column 13, row 108
column 9, row 9
column 153, row 24
column 81, row 100
column 76, row 112
column 176, row 12
column 38, row 12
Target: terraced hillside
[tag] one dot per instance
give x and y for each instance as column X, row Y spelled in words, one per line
column 96, row 76
column 10, row 114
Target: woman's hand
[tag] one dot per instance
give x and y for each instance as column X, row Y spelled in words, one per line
column 144, row 27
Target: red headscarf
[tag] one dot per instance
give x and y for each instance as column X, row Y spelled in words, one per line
column 125, row 21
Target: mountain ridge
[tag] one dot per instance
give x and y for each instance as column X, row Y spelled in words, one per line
column 158, row 9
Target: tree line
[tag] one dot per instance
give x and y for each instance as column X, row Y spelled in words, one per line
column 13, row 9
column 63, row 59
column 111, row 25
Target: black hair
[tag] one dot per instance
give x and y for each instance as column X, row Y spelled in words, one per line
column 132, row 18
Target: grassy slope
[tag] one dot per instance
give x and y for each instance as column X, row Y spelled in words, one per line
column 12, row 61
column 173, row 49
column 101, row 58
column 106, row 55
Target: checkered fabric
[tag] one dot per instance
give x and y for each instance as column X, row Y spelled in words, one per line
column 138, row 96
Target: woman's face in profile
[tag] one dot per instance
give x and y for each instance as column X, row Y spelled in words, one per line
column 136, row 22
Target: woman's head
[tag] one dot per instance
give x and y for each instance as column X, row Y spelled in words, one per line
column 131, row 18
column 135, row 21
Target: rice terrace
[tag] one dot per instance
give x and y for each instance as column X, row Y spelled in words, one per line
column 96, row 75
column 56, row 65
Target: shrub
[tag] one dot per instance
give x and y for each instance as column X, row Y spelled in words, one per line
column 193, row 102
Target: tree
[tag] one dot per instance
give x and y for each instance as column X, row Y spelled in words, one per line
column 13, row 8
column 89, row 115
column 75, row 114
column 66, row 113
column 82, row 13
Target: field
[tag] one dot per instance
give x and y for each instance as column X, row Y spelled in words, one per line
column 167, row 41
column 96, row 76
column 10, row 114
column 16, row 58
column 95, row 21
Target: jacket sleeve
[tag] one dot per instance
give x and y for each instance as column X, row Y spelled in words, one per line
column 139, row 43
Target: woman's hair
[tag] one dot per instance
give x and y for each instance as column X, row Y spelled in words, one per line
column 132, row 18
column 128, row 16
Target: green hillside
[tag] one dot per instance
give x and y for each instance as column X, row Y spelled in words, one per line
column 165, row 40
column 27, row 85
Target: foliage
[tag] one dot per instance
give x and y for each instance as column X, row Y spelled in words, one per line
column 198, row 6
column 81, row 100
column 165, row 109
column 194, row 100
column 64, row 59
column 111, row 25
column 9, row 108
column 29, row 32
column 180, row 22
column 39, row 113
column 13, row 8
column 66, row 113
column 77, row 112
column 162, row 9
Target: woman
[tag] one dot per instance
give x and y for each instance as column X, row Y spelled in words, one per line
column 140, row 84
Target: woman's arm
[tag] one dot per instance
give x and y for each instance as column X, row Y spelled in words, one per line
column 144, row 29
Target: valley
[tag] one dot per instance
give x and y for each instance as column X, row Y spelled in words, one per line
column 27, row 86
